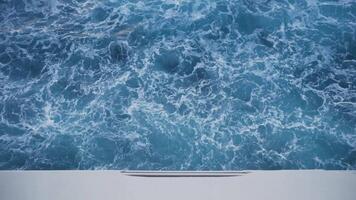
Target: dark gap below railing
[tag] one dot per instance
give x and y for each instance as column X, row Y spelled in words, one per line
column 178, row 174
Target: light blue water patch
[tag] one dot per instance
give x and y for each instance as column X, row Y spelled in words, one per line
column 177, row 84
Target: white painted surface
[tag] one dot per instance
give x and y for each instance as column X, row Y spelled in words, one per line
column 114, row 185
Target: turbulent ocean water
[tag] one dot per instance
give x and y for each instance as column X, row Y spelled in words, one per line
column 177, row 84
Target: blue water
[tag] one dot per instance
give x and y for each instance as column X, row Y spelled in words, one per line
column 177, row 84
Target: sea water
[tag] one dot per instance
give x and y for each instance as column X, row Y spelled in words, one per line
column 177, row 84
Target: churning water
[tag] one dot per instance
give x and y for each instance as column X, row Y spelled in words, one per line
column 177, row 84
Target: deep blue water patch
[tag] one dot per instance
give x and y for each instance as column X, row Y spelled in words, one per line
column 177, row 84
